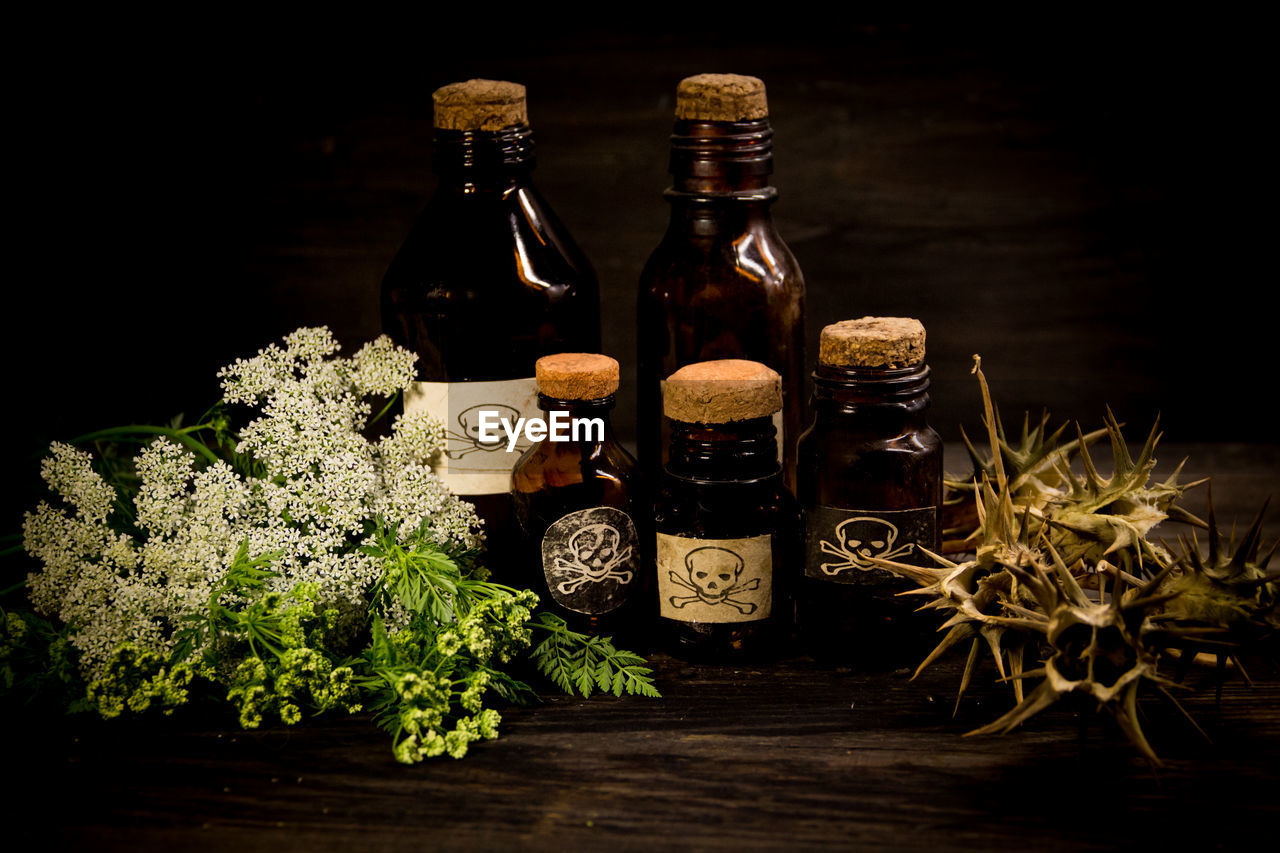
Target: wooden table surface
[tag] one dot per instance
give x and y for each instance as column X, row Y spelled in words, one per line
column 791, row 754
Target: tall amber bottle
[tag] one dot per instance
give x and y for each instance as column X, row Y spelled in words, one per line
column 870, row 473
column 578, row 503
column 722, row 283
column 488, row 281
column 727, row 528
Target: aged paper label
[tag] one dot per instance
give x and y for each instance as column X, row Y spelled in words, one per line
column 590, row 559
column 715, row 580
column 471, row 465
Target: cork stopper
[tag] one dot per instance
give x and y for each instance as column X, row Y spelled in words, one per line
column 721, row 97
column 576, row 376
column 480, row 105
column 873, row 342
column 719, row 392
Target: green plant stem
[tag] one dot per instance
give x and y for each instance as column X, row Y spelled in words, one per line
column 382, row 414
column 182, row 436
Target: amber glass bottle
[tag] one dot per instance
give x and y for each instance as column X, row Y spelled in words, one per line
column 727, row 528
column 577, row 503
column 721, row 284
column 870, row 482
column 486, row 283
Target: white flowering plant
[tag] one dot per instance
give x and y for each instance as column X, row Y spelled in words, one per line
column 292, row 565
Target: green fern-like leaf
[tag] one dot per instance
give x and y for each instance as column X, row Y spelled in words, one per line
column 581, row 664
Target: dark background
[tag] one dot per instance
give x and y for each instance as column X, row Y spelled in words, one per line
column 1083, row 202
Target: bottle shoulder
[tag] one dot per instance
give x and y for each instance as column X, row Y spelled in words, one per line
column 683, row 504
column 825, row 435
column 843, row 468
column 548, row 487
column 461, row 242
column 735, row 262
column 557, row 464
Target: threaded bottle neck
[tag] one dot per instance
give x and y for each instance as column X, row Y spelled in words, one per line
column 475, row 152
column 722, row 159
column 738, row 451
column 852, row 389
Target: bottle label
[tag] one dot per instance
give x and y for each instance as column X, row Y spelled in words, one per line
column 473, row 464
column 715, row 580
column 590, row 558
column 842, row 542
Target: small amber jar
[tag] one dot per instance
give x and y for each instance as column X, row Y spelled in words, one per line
column 576, row 503
column 870, row 483
column 727, row 529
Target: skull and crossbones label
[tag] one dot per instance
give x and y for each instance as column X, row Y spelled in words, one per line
column 470, row 465
column 843, row 543
column 590, row 559
column 466, row 437
column 715, row 580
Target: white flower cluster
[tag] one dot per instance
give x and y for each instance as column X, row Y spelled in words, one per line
column 318, row 483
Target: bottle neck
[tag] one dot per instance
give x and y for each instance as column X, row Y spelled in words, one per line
column 583, row 410
column 734, row 452
column 722, row 160
column 483, row 158
column 891, row 393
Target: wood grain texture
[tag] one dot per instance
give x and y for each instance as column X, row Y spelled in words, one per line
column 788, row 756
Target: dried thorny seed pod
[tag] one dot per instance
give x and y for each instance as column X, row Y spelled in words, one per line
column 1099, row 516
column 1034, row 472
column 979, row 594
column 1230, row 588
column 1063, row 565
column 1032, row 465
column 1092, row 515
column 1098, row 648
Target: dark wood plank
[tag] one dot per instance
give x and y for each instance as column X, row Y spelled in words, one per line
column 784, row 756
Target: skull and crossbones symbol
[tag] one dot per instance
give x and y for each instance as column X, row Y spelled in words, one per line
column 470, row 440
column 713, row 577
column 860, row 539
column 594, row 556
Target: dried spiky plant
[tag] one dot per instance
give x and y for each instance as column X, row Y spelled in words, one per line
column 1224, row 600
column 1033, row 467
column 1090, row 511
column 1097, row 649
column 1232, row 586
column 978, row 594
column 1063, row 564
column 1093, row 516
column 1032, row 464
